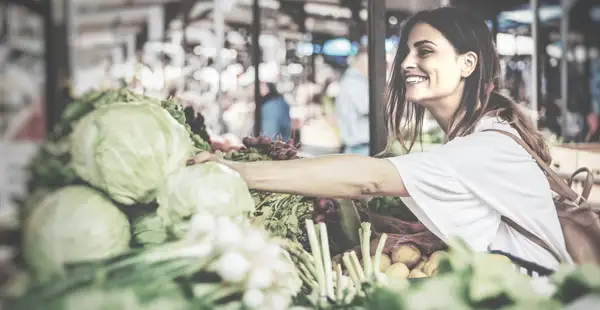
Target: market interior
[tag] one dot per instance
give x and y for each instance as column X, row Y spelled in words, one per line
column 207, row 54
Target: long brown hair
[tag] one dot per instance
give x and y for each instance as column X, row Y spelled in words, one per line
column 467, row 33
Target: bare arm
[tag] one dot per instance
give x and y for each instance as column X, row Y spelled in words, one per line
column 343, row 176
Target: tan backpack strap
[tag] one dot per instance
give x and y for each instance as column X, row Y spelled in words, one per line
column 587, row 183
column 535, row 239
column 556, row 183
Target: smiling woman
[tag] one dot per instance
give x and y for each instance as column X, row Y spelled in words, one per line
column 447, row 64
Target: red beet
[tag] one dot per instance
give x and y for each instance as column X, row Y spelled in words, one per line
column 319, row 218
column 250, row 141
column 389, row 224
column 323, row 203
column 264, row 141
column 291, row 152
column 281, row 156
column 279, row 145
column 330, row 211
column 277, row 148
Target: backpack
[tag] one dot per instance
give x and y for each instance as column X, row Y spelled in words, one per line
column 580, row 223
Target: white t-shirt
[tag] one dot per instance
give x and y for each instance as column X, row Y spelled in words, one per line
column 463, row 187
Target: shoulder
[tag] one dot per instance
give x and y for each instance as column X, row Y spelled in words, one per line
column 484, row 147
column 485, row 139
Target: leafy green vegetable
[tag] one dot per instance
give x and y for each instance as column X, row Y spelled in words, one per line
column 573, row 282
column 73, row 224
column 211, row 268
column 383, row 298
column 129, row 159
column 51, row 168
column 168, row 296
column 210, row 187
column 392, row 206
column 542, row 304
column 283, row 215
column 149, row 229
column 444, row 292
column 492, row 285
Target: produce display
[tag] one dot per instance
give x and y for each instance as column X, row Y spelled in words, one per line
column 116, row 219
column 71, row 225
column 220, row 263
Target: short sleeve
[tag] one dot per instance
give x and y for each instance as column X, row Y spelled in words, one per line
column 464, row 187
column 442, row 202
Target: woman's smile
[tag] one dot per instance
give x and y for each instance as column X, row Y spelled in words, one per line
column 414, row 79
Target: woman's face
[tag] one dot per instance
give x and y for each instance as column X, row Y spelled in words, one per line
column 431, row 70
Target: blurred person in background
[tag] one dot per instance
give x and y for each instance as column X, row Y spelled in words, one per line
column 275, row 112
column 592, row 121
column 593, row 117
column 319, row 134
column 352, row 105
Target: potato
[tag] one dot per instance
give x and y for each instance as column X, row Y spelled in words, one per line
column 436, row 255
column 416, row 273
column 421, row 264
column 397, row 271
column 407, row 254
column 384, row 263
column 431, row 267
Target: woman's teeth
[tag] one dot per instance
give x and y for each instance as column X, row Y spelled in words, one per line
column 415, row 79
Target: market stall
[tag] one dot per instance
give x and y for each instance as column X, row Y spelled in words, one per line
column 114, row 219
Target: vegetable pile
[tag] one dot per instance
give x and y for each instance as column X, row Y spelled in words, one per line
column 115, row 219
column 219, row 264
column 460, row 279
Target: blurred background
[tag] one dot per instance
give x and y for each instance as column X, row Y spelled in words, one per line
column 207, row 53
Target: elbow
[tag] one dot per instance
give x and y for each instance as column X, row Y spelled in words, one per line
column 368, row 189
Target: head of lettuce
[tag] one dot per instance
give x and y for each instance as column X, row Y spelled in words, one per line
column 71, row 225
column 128, row 149
column 211, row 187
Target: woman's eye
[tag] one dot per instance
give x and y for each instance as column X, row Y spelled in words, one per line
column 424, row 52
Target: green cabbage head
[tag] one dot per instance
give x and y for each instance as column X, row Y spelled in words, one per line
column 128, row 149
column 73, row 224
column 209, row 187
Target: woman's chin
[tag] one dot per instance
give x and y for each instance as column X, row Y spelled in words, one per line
column 414, row 98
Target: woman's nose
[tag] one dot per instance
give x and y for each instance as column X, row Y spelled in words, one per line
column 408, row 63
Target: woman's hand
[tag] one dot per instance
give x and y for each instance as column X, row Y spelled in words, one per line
column 203, row 157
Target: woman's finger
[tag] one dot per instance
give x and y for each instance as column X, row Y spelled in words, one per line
column 201, row 158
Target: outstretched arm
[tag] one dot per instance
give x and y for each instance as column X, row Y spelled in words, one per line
column 341, row 176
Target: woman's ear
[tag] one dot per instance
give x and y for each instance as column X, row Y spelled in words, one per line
column 469, row 62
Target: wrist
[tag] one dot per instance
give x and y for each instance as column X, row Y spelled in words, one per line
column 236, row 166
